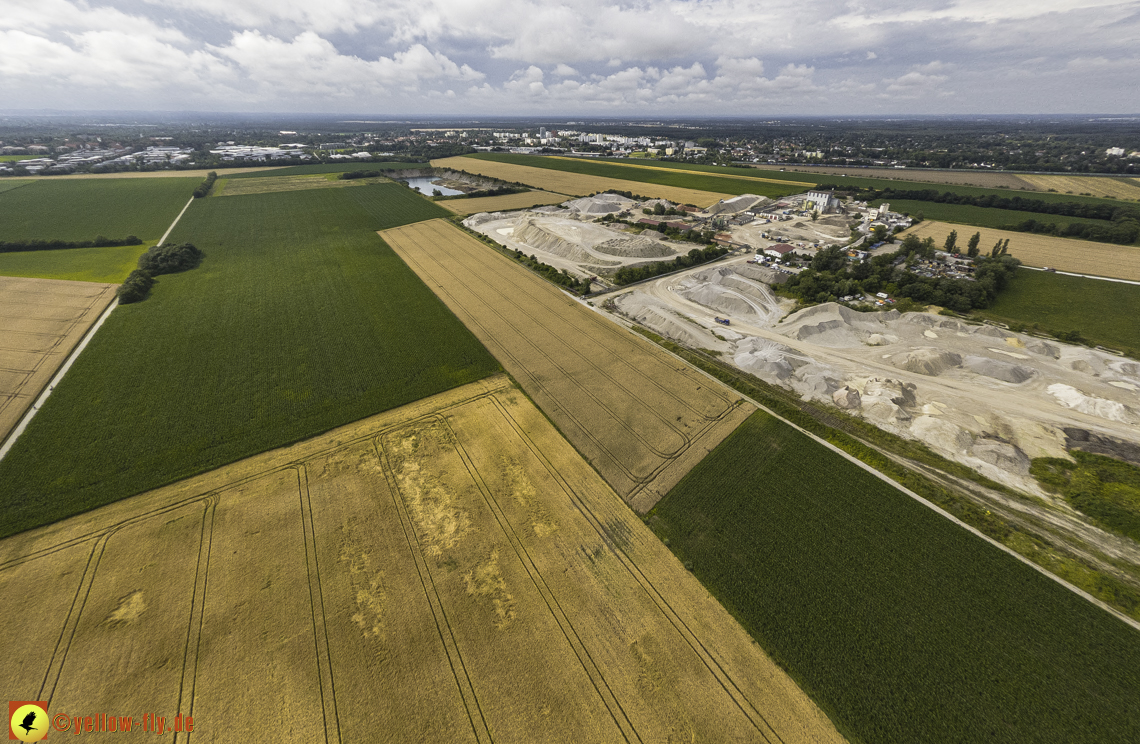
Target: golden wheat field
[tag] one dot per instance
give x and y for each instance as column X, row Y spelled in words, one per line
column 641, row 417
column 1065, row 254
column 718, row 174
column 41, row 321
column 449, row 571
column 962, row 178
column 274, row 184
column 576, row 184
column 505, row 203
column 1117, row 188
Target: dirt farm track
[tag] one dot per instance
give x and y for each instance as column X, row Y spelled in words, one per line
column 448, row 571
column 641, row 417
column 41, row 321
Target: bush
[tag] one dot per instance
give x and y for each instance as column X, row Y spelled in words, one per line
column 204, row 187
column 135, row 288
column 170, row 259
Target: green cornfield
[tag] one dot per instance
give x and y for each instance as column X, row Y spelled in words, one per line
column 903, row 626
column 299, row 319
column 84, row 208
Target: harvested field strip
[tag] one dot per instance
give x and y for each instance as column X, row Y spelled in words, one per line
column 41, row 321
column 903, row 625
column 317, row 169
column 83, row 210
column 299, row 319
column 246, row 186
column 661, row 176
column 1065, row 254
column 448, row 571
column 641, row 418
column 1118, row 188
column 574, row 184
column 980, row 179
column 194, row 173
column 718, row 173
column 506, row 203
column 107, row 265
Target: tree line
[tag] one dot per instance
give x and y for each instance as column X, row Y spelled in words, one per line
column 51, row 245
column 561, row 277
column 695, row 257
column 1121, row 223
column 204, row 187
column 157, row 260
column 832, row 276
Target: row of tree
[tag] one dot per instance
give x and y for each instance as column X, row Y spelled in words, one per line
column 972, row 249
column 832, row 276
column 562, row 278
column 158, row 260
column 695, row 257
column 204, row 187
column 51, row 245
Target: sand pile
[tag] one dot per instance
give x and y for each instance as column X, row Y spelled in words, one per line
column 545, row 239
column 926, row 361
column 768, row 360
column 1070, row 397
column 478, row 219
column 1037, row 346
column 1004, row 371
column 600, row 204
column 725, row 300
column 738, row 204
column 834, row 325
column 656, row 316
column 760, row 273
column 942, row 434
column 1002, row 455
column 885, row 400
column 635, row 247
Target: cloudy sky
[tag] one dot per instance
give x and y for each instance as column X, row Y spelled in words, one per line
column 616, row 57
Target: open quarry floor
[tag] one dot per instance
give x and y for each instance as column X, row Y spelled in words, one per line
column 641, row 417
column 977, row 394
column 41, row 321
column 448, row 571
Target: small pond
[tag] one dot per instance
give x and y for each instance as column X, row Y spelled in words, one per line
column 425, row 186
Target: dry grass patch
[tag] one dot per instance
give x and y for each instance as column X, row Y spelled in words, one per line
column 576, row 184
column 41, row 321
column 1065, row 254
column 447, row 571
column 1118, row 188
column 641, row 417
column 505, row 203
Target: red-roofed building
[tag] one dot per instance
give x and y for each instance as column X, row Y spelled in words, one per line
column 778, row 250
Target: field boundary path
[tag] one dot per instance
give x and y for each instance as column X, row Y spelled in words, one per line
column 44, row 324
column 450, row 570
column 636, row 415
column 71, row 344
column 887, row 479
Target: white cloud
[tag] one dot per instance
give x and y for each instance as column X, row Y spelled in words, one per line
column 660, row 56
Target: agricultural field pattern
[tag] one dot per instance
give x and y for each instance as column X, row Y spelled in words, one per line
column 1064, row 254
column 41, row 321
column 419, row 573
column 642, row 418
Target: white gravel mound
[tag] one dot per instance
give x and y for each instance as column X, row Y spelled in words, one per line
column 544, row 238
column 739, row 204
column 1070, row 397
column 635, row 247
column 1004, row 371
column 942, row 434
column 1002, row 455
column 927, row 361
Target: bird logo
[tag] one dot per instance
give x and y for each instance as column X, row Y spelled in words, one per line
column 27, row 721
